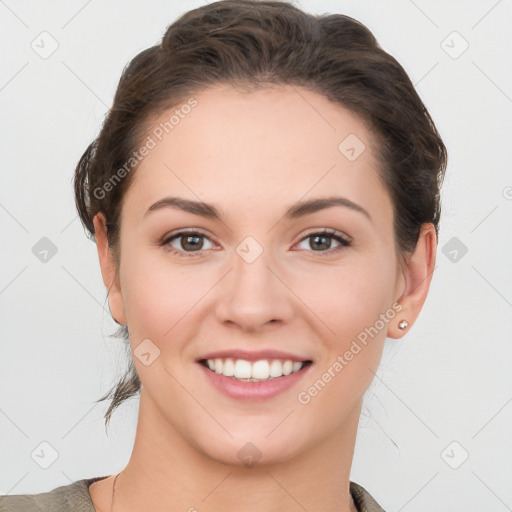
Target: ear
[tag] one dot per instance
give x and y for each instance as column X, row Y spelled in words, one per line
column 417, row 272
column 109, row 269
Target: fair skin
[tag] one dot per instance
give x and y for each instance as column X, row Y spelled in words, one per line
column 253, row 155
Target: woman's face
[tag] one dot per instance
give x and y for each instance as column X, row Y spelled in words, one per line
column 259, row 277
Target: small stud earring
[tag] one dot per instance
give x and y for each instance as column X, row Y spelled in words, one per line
column 403, row 324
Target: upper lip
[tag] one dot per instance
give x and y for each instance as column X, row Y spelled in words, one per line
column 253, row 355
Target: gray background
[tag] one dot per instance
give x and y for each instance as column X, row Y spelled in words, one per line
column 443, row 392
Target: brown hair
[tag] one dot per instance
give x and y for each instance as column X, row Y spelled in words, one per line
column 254, row 43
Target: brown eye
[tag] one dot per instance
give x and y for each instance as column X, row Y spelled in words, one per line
column 187, row 242
column 191, row 242
column 323, row 242
column 320, row 242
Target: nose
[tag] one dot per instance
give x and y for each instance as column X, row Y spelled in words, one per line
column 254, row 295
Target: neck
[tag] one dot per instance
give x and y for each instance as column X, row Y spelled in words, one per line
column 167, row 473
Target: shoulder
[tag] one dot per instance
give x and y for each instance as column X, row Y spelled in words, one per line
column 363, row 500
column 66, row 498
column 75, row 497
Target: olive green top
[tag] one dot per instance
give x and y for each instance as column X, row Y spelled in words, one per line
column 75, row 497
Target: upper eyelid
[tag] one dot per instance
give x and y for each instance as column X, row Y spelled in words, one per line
column 328, row 231
column 176, row 234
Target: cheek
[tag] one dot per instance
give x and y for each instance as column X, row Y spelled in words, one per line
column 155, row 298
column 354, row 303
column 159, row 307
column 350, row 297
column 357, row 312
column 163, row 302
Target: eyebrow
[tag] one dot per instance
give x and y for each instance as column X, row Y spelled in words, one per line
column 295, row 211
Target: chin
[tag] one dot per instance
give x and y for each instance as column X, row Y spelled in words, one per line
column 251, row 449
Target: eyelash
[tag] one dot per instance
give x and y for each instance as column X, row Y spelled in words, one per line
column 330, row 233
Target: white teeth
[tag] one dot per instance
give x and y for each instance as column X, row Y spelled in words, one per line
column 287, row 367
column 260, row 370
column 242, row 369
column 229, row 368
column 263, row 369
column 276, row 368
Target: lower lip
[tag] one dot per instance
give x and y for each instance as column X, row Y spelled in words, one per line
column 254, row 390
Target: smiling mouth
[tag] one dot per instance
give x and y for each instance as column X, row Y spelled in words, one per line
column 257, row 371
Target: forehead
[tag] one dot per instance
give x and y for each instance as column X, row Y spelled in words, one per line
column 272, row 143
